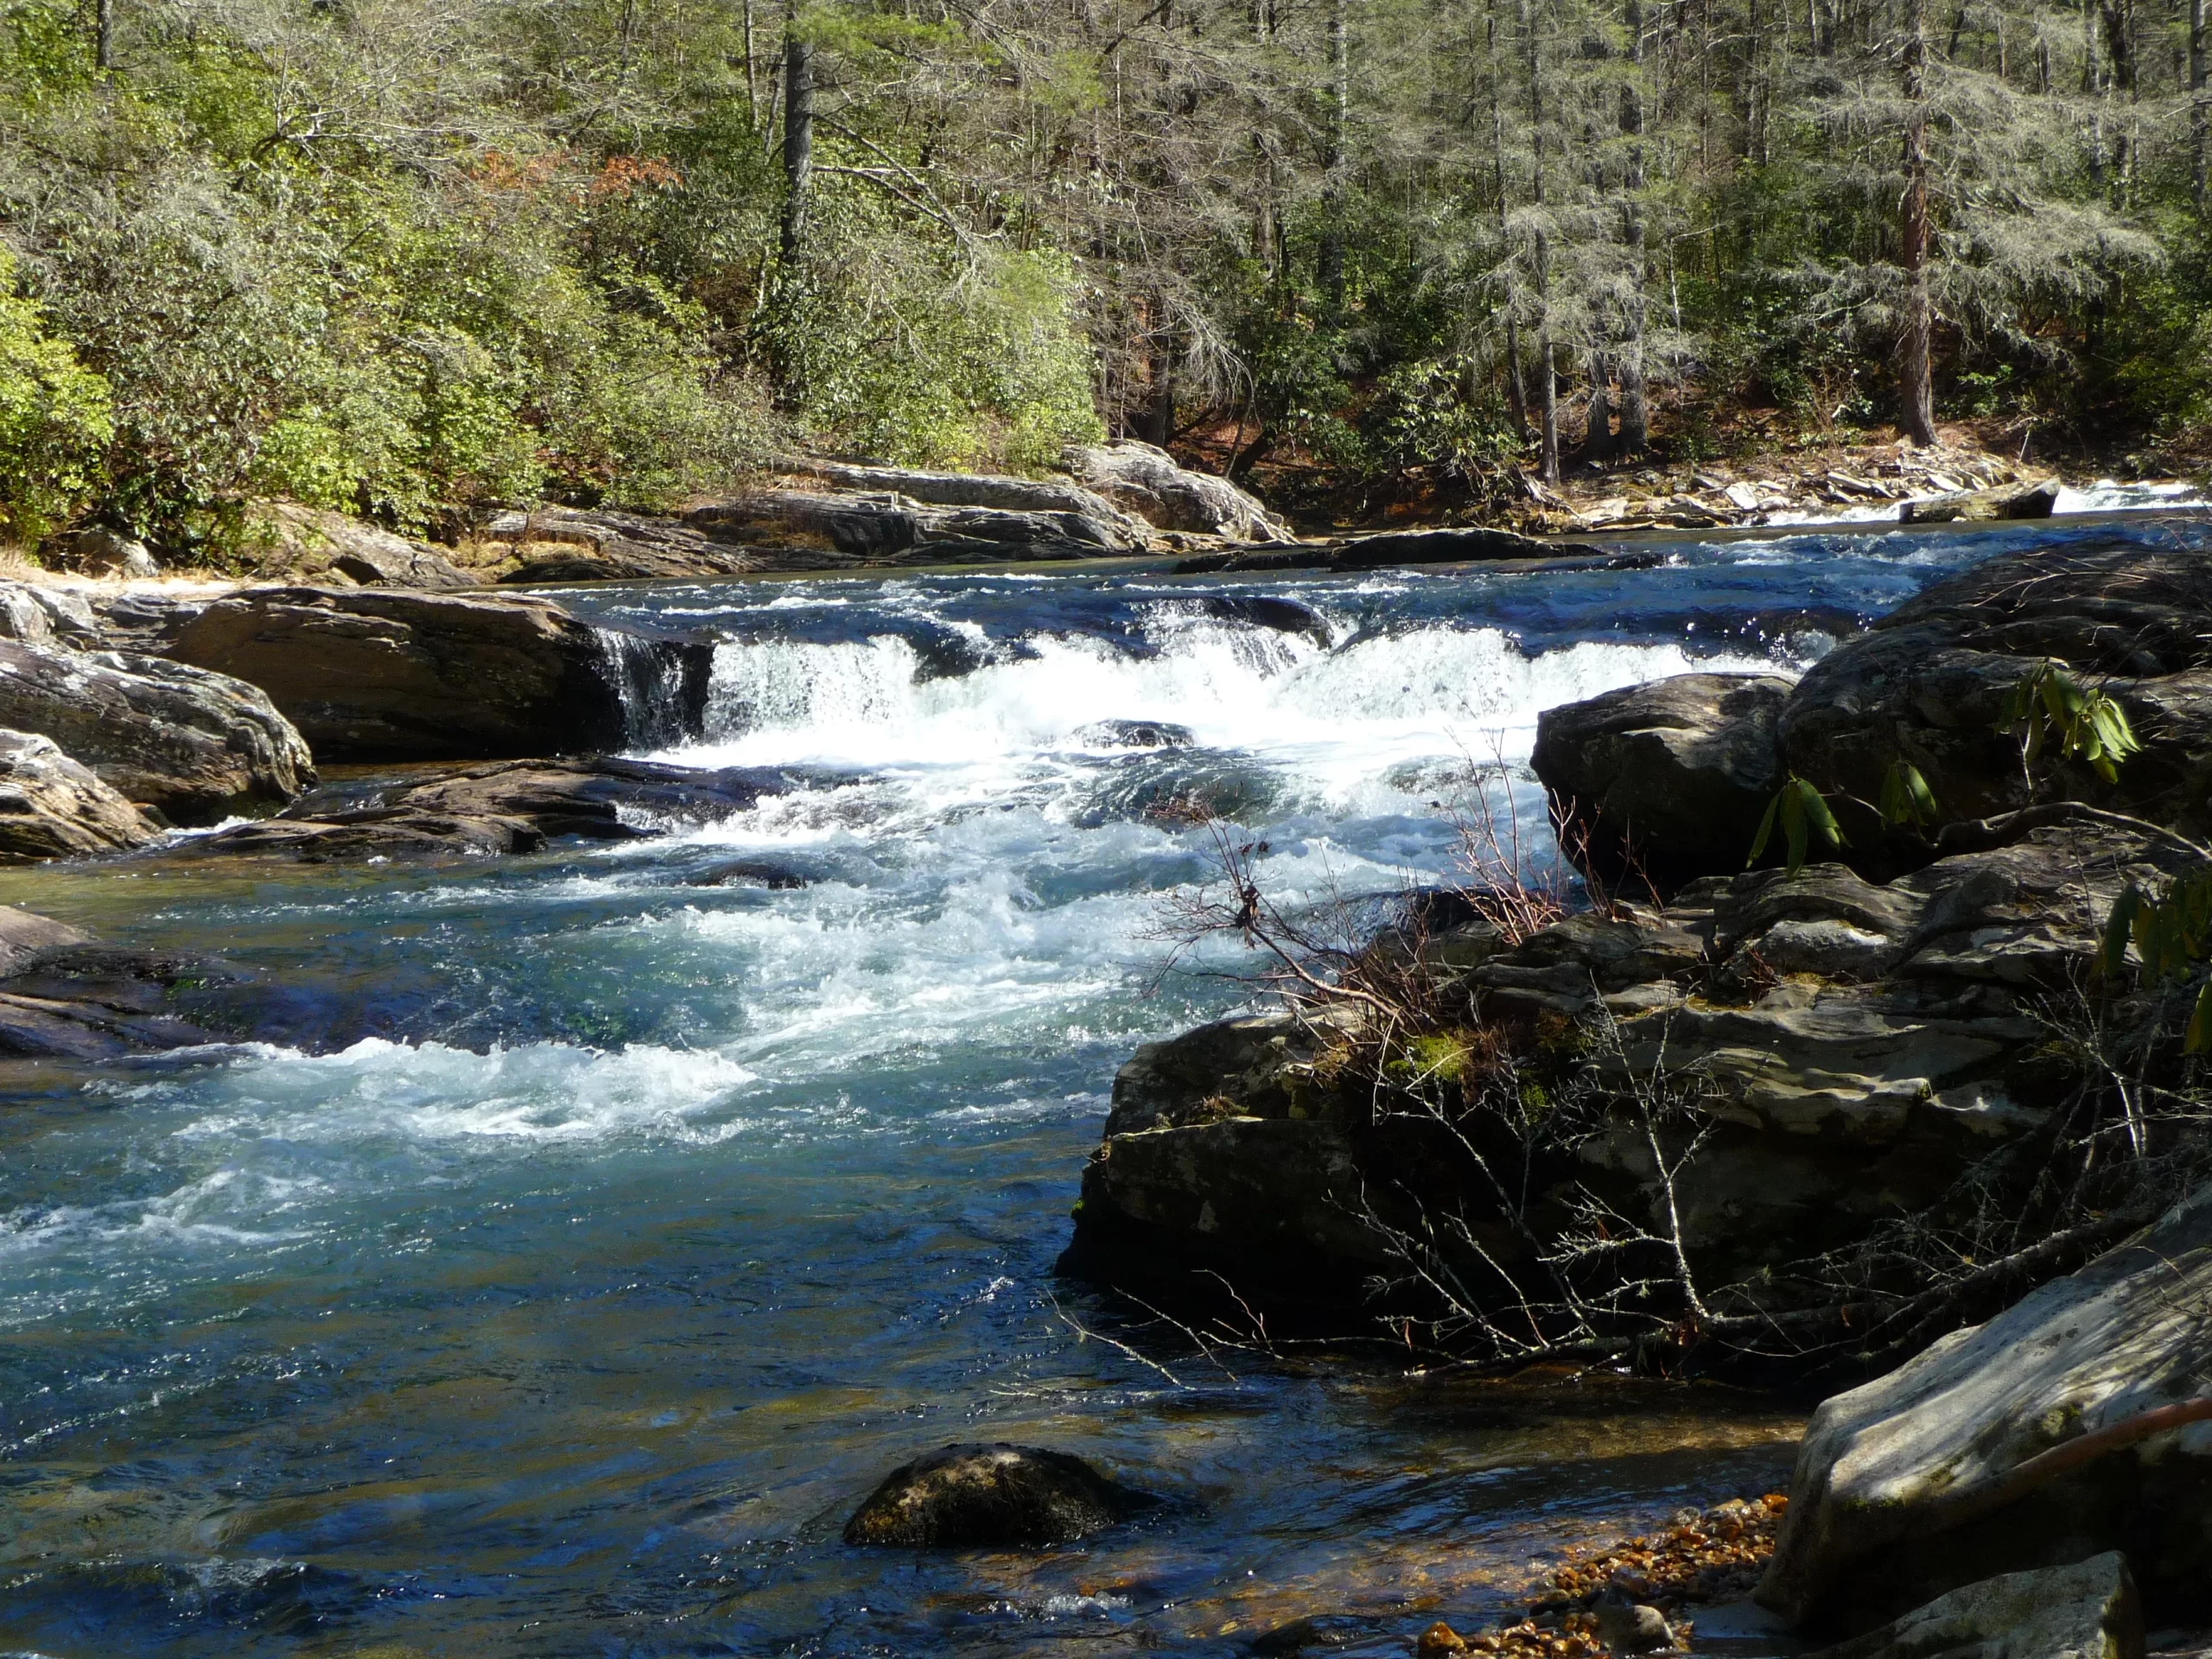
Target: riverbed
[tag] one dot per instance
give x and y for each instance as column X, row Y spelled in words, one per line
column 611, row 1219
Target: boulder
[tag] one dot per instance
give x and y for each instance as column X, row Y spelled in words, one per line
column 2036, row 500
column 512, row 807
column 1927, row 684
column 380, row 675
column 1148, row 482
column 966, row 489
column 46, row 616
column 567, row 544
column 2088, row 1609
column 990, row 1496
column 195, row 745
column 801, row 530
column 99, row 552
column 51, row 807
column 1669, row 778
column 308, row 543
column 2077, row 1422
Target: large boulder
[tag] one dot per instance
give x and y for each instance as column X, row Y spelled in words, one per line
column 195, row 745
column 46, row 616
column 101, row 552
column 378, row 674
column 2078, row 1420
column 2088, row 1609
column 1927, row 684
column 51, row 807
column 2036, row 500
column 1669, row 778
column 983, row 1496
column 304, row 543
column 1148, row 482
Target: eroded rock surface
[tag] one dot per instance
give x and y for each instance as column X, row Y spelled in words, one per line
column 374, row 675
column 1148, row 481
column 64, row 995
column 980, row 1496
column 196, row 745
column 51, row 807
column 1957, row 1465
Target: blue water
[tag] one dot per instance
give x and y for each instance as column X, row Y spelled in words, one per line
column 590, row 1237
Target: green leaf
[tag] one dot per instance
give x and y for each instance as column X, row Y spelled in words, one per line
column 1766, row 830
column 2198, row 1037
column 2118, row 925
column 1793, row 823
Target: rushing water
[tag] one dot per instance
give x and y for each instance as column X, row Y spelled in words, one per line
column 616, row 1225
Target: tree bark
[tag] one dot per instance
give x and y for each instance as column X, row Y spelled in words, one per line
column 1636, row 415
column 1516, row 392
column 1547, row 347
column 798, row 138
column 103, row 35
column 1331, row 270
column 2200, row 118
column 1916, row 389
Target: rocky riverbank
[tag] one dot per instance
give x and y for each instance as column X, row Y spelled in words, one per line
column 1807, row 1122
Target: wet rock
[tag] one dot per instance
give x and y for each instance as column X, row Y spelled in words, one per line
column 1670, row 777
column 508, row 808
column 195, row 745
column 990, row 1496
column 65, row 995
column 1927, row 684
column 1148, row 482
column 2069, row 1424
column 1136, row 734
column 1268, row 611
column 2036, row 500
column 378, row 675
column 2088, row 1609
column 51, row 807
column 100, row 552
column 1461, row 546
column 1241, row 1067
column 753, row 872
column 1630, row 1626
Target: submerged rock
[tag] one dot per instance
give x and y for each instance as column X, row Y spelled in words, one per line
column 376, row 675
column 997, row 1496
column 1136, row 734
column 1668, row 777
column 2072, row 1422
column 514, row 807
column 51, row 807
column 2085, row 1611
column 65, row 995
column 195, row 745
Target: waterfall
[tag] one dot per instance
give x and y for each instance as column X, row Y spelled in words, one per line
column 660, row 685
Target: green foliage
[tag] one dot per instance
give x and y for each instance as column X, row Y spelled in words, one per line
column 1906, row 800
column 1802, row 813
column 2088, row 725
column 2172, row 939
column 55, row 419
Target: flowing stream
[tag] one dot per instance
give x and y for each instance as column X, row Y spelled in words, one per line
column 623, row 1212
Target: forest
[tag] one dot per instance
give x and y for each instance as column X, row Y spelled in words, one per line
column 410, row 259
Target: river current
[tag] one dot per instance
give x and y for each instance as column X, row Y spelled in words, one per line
column 622, row 1213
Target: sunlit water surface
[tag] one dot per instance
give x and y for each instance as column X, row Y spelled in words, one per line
column 609, row 1232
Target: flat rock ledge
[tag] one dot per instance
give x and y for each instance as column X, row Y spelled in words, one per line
column 998, row 1495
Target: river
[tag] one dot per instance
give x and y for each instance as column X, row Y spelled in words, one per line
column 613, row 1218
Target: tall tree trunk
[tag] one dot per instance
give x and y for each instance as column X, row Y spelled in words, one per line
column 752, row 80
column 798, row 137
column 1157, row 421
column 1546, row 347
column 2200, row 118
column 103, row 35
column 1517, row 395
column 1918, row 416
column 1598, row 429
column 1636, row 413
column 1331, row 262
